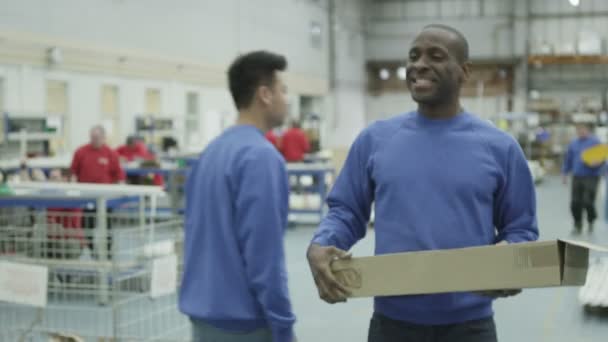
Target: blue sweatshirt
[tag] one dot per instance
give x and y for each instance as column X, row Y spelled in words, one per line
column 236, row 215
column 573, row 161
column 437, row 184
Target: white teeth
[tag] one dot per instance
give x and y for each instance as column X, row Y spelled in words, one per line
column 423, row 82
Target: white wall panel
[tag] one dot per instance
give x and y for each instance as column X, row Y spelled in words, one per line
column 459, row 8
column 344, row 116
column 84, row 91
column 497, row 7
column 349, row 117
column 421, row 9
column 391, row 10
column 206, row 30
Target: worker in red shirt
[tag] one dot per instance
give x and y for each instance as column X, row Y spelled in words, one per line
column 294, row 143
column 274, row 139
column 95, row 162
column 133, row 149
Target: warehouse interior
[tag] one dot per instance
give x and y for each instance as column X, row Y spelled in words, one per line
column 155, row 71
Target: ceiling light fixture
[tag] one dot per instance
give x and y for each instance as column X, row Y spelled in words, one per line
column 402, row 73
column 384, row 74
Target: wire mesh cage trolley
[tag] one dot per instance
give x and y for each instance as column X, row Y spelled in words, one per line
column 75, row 275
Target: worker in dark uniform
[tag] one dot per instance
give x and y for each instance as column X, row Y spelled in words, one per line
column 585, row 178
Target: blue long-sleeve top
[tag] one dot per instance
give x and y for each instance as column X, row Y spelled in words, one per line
column 236, row 215
column 573, row 161
column 436, row 184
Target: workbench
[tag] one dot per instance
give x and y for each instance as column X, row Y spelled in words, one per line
column 170, row 174
column 317, row 170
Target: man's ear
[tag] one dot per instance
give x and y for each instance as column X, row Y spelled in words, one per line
column 264, row 93
column 466, row 71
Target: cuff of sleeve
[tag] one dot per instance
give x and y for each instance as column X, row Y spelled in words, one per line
column 517, row 239
column 322, row 241
column 282, row 334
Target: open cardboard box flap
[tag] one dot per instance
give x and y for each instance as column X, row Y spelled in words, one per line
column 512, row 266
column 585, row 244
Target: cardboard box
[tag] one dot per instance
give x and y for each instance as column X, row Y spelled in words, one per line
column 509, row 266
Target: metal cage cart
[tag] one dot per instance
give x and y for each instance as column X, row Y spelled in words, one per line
column 108, row 274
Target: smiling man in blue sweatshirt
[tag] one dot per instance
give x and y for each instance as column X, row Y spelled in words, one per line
column 585, row 178
column 440, row 178
column 234, row 286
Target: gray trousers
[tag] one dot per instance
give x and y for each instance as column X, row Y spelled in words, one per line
column 203, row 332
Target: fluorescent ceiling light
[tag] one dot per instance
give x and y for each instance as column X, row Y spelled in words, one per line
column 401, row 73
column 384, row 74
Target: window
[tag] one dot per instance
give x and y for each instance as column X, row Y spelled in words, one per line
column 109, row 100
column 56, row 97
column 192, row 103
column 57, row 107
column 192, row 118
column 2, row 109
column 110, row 112
column 2, row 105
column 153, row 103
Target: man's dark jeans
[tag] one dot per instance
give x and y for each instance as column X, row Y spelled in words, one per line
column 384, row 329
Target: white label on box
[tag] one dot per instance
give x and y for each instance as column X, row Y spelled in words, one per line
column 164, row 276
column 160, row 248
column 23, row 283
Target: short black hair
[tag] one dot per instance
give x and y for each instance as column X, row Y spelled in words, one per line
column 463, row 44
column 251, row 70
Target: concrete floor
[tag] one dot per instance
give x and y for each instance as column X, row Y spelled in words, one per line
column 538, row 315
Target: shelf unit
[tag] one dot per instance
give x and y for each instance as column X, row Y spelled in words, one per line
column 31, row 133
column 567, row 59
column 153, row 127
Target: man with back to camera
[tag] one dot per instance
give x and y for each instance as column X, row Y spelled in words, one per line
column 441, row 178
column 234, row 285
column 585, row 178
